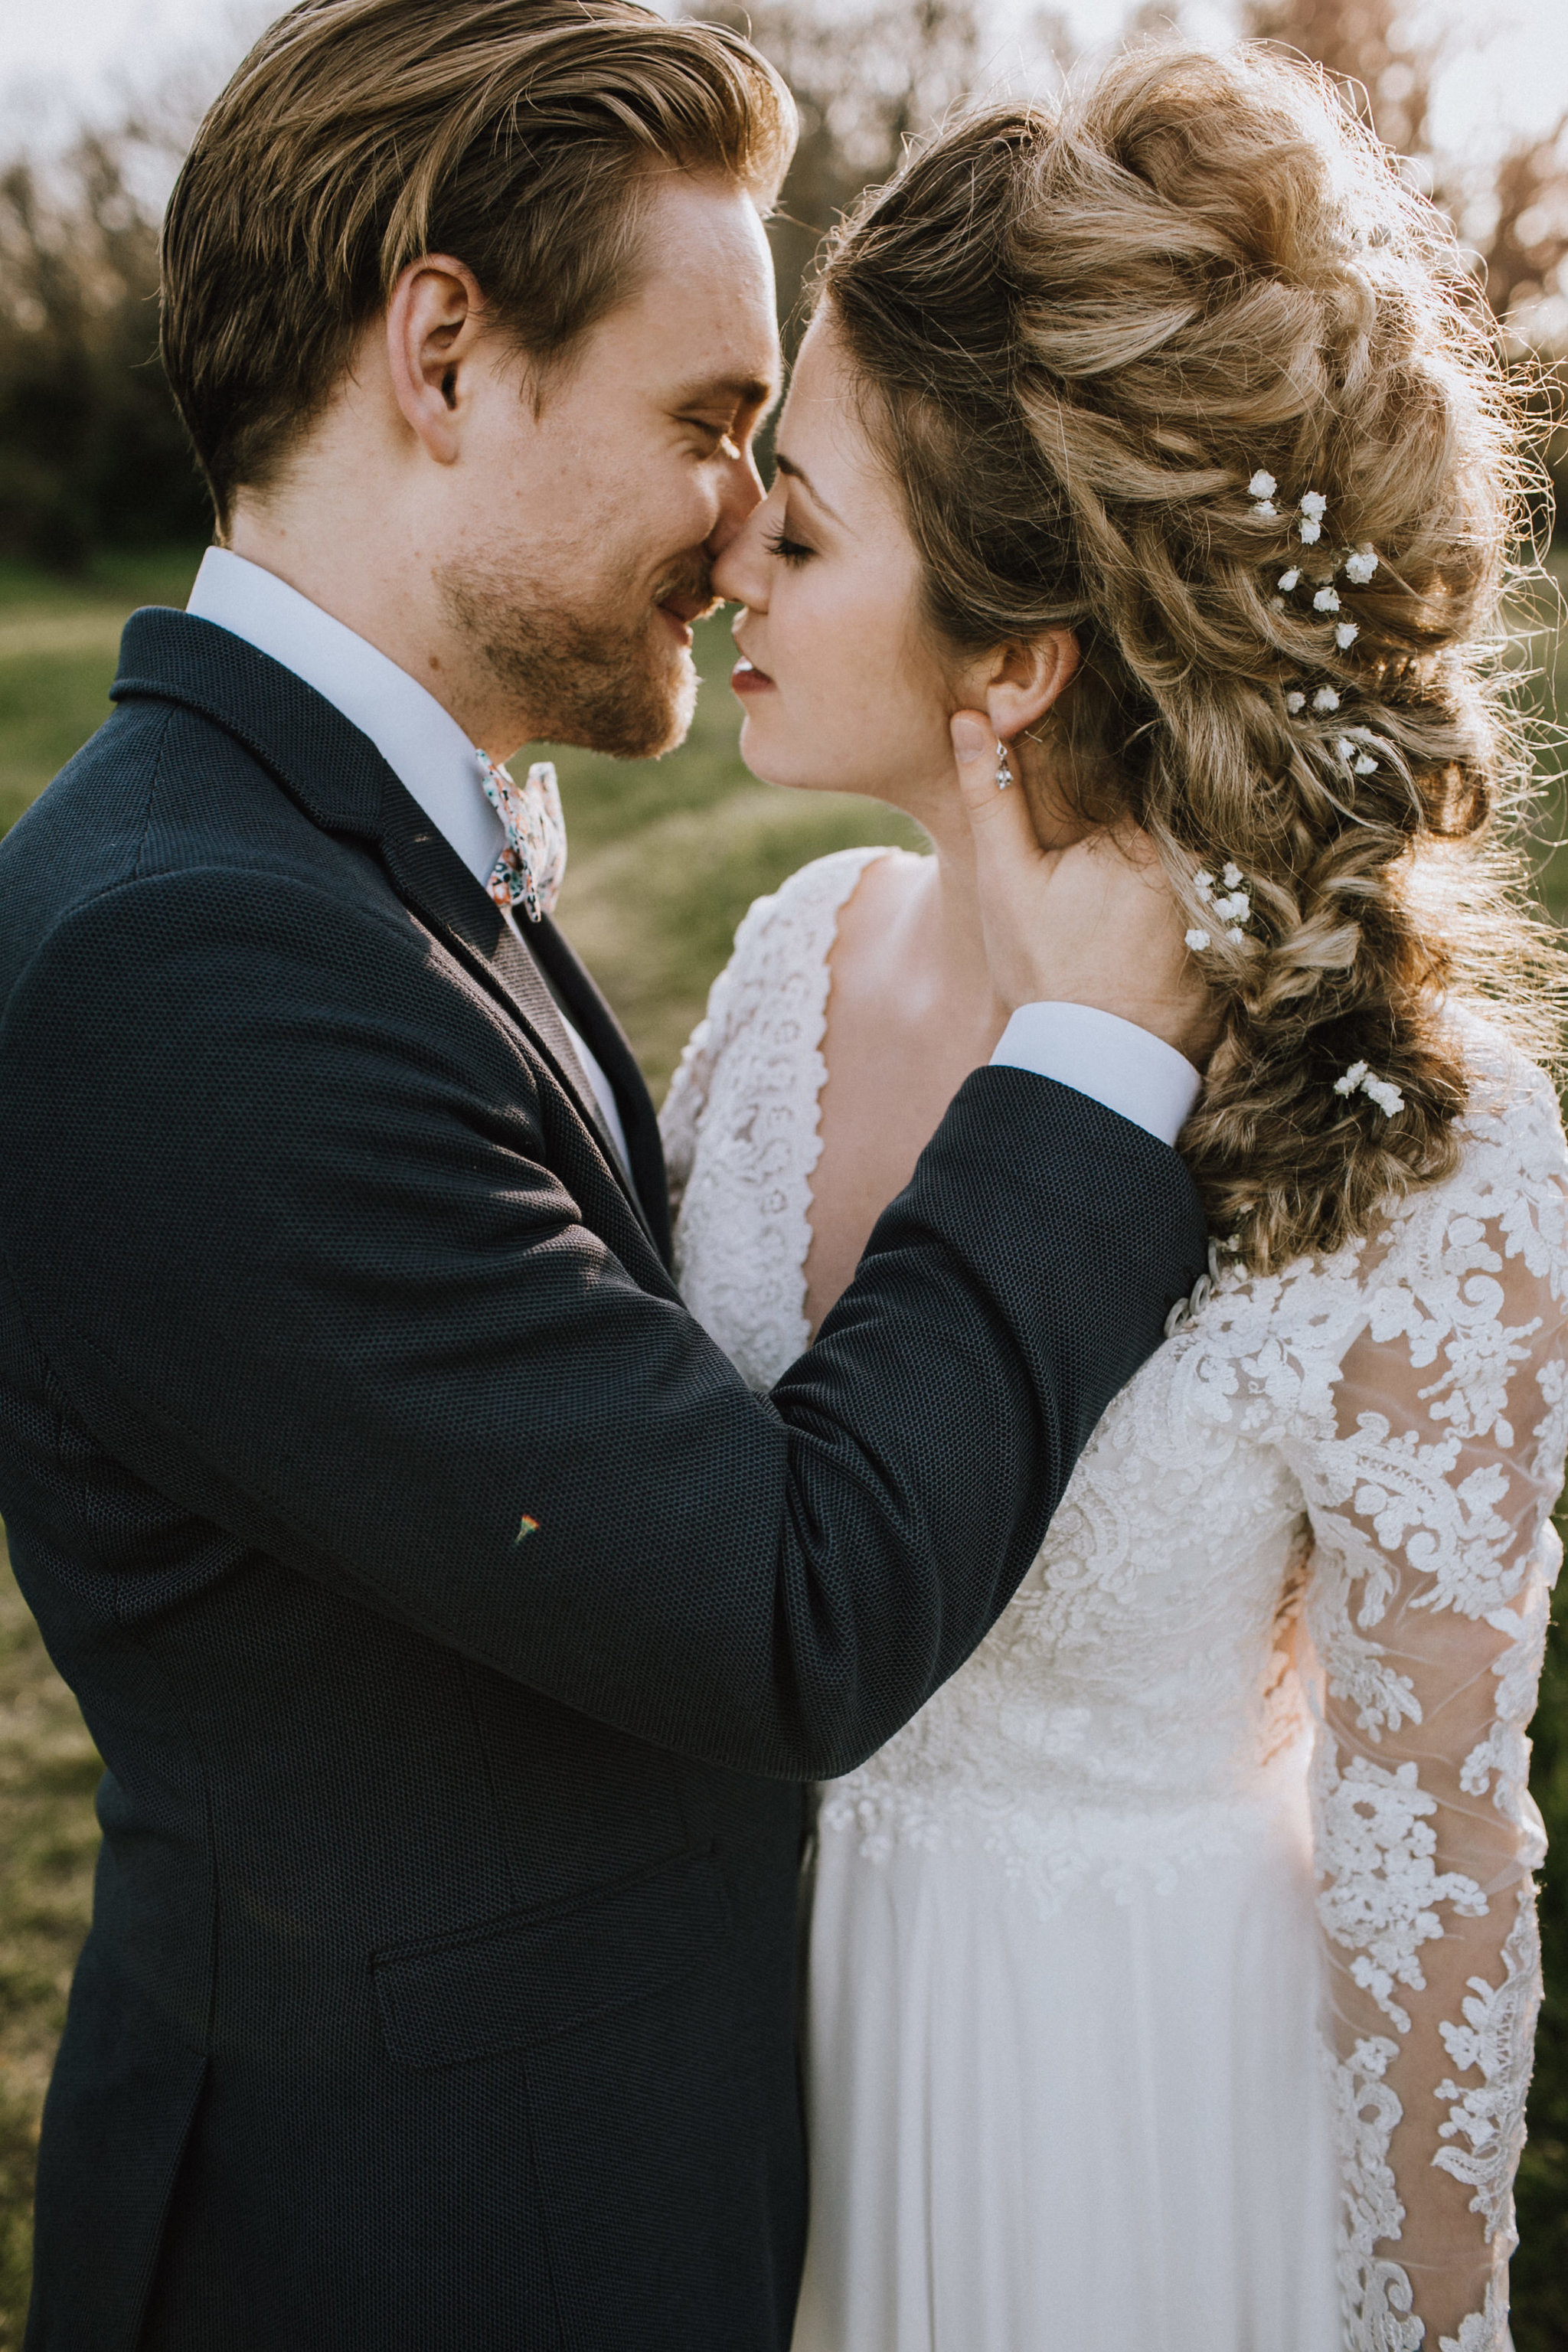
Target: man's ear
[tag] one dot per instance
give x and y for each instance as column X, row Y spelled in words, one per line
column 1021, row 679
column 433, row 322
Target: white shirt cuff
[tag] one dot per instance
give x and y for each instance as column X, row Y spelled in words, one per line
column 1113, row 1061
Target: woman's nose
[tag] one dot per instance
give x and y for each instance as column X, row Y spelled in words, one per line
column 740, row 568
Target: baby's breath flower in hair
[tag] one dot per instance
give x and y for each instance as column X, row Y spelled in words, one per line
column 1261, row 490
column 1325, row 698
column 1197, row 940
column 1359, row 1080
column 1357, row 565
column 1314, row 505
column 1233, row 910
column 1295, row 701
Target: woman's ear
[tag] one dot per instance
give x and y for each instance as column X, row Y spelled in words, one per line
column 433, row 322
column 1021, row 680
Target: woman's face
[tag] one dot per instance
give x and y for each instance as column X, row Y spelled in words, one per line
column 841, row 684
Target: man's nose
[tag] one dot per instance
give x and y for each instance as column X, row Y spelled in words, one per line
column 740, row 494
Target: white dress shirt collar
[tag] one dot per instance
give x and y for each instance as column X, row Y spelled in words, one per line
column 422, row 743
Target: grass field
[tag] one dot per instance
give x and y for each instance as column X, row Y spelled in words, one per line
column 665, row 859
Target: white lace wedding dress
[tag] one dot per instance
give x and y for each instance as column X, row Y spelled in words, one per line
column 1172, row 1975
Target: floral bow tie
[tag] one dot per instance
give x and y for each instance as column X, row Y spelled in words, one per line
column 530, row 869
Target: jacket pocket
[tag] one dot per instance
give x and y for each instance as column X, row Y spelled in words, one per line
column 519, row 1980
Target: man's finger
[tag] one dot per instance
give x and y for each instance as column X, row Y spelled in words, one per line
column 1000, row 816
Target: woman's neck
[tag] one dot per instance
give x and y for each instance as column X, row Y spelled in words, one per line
column 910, row 1013
column 958, row 935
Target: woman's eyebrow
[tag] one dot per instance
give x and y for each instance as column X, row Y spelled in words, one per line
column 798, row 474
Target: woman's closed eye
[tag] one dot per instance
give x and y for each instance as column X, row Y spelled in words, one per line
column 788, row 550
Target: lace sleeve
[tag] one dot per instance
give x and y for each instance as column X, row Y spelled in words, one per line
column 1429, row 1485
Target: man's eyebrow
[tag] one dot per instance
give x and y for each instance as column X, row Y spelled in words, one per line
column 740, row 391
column 798, row 474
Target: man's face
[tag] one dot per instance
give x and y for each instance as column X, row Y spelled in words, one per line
column 588, row 523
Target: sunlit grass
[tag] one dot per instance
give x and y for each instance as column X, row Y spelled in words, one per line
column 48, row 1841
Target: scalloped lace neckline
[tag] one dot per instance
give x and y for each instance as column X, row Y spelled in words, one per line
column 745, row 1226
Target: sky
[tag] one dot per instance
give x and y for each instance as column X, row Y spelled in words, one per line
column 64, row 59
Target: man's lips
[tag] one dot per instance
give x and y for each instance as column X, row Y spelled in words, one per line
column 681, row 607
column 747, row 678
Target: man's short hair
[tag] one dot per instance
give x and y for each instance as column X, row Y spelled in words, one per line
column 515, row 135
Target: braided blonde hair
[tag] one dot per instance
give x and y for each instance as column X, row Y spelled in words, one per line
column 1110, row 348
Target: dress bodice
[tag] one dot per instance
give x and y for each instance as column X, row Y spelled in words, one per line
column 1321, row 1510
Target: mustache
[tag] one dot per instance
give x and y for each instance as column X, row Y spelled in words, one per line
column 692, row 581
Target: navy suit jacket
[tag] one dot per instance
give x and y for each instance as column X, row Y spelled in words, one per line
column 458, row 1630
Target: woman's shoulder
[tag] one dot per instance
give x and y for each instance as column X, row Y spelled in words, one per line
column 1507, row 1197
column 788, row 935
column 1513, row 1114
column 802, row 914
column 767, row 1008
column 1507, row 1191
column 777, row 969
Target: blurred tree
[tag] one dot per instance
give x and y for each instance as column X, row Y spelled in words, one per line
column 1513, row 213
column 1528, row 244
column 867, row 81
column 1368, row 41
column 91, row 452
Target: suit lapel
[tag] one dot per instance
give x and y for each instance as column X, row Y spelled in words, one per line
column 604, row 1034
column 341, row 780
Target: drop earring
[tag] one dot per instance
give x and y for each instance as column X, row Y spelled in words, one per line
column 1004, row 772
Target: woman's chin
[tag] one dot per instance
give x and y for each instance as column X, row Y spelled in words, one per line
column 761, row 754
column 772, row 760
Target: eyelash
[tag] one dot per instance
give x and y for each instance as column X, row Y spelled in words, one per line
column 721, row 435
column 788, row 550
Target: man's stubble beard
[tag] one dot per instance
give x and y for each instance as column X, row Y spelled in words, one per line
column 611, row 682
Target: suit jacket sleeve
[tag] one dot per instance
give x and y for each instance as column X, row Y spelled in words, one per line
column 280, row 1217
